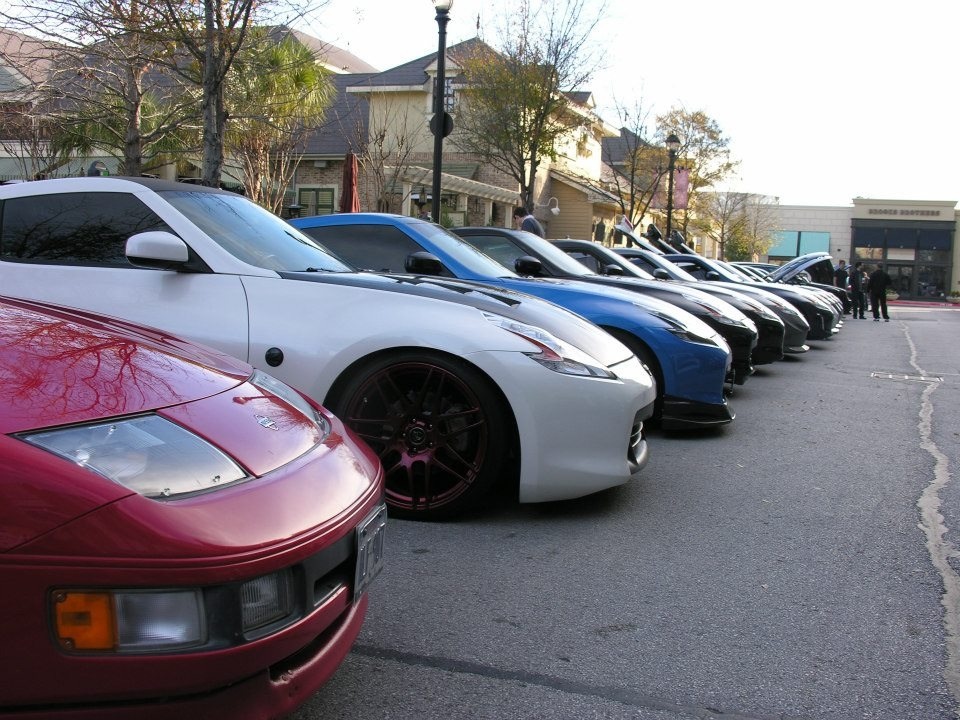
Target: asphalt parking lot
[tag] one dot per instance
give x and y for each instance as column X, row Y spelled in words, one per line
column 800, row 563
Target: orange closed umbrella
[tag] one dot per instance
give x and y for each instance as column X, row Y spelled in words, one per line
column 349, row 197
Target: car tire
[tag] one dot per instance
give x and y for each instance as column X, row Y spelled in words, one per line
column 438, row 426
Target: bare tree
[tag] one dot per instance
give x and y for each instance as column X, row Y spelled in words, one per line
column 96, row 95
column 722, row 217
column 704, row 150
column 392, row 135
column 636, row 162
column 214, row 32
column 761, row 224
column 24, row 126
column 514, row 102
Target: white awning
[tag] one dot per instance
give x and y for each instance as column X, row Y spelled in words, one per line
column 416, row 175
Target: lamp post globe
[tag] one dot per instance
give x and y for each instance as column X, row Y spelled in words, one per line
column 443, row 16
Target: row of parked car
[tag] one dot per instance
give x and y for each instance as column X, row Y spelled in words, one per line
column 208, row 410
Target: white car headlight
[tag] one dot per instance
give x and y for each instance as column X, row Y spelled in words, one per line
column 737, row 319
column 148, row 454
column 143, row 621
column 552, row 352
column 129, row 621
column 265, row 600
column 692, row 330
column 784, row 307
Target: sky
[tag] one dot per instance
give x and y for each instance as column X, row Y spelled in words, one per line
column 822, row 101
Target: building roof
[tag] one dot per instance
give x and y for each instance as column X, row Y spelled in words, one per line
column 594, row 195
column 25, row 61
column 345, row 124
column 333, row 58
column 414, row 73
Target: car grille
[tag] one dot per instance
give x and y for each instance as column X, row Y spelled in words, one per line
column 634, row 449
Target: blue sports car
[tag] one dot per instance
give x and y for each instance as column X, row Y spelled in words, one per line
column 689, row 360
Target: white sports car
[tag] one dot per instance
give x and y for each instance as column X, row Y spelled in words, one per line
column 457, row 387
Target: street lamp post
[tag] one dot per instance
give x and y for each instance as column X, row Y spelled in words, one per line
column 439, row 124
column 673, row 145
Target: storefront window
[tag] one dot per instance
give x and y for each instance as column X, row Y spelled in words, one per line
column 931, row 281
column 868, row 253
column 896, row 253
column 902, row 238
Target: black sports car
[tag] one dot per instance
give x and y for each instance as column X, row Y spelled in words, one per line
column 771, row 329
column 795, row 324
column 533, row 256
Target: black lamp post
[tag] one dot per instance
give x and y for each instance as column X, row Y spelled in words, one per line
column 440, row 125
column 673, row 145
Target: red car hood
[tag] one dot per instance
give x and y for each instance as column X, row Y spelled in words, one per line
column 61, row 366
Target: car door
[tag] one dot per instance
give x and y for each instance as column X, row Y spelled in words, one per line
column 69, row 249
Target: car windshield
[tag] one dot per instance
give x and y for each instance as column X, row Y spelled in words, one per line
column 820, row 271
column 550, row 252
column 707, row 265
column 629, row 268
column 675, row 271
column 735, row 272
column 475, row 261
column 755, row 273
column 251, row 234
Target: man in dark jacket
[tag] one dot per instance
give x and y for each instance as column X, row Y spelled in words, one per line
column 877, row 285
column 526, row 221
column 841, row 278
column 857, row 297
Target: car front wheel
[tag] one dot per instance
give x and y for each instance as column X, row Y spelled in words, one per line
column 437, row 425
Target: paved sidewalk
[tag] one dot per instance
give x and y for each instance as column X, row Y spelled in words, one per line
column 924, row 303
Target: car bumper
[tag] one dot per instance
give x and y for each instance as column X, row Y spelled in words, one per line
column 770, row 342
column 582, row 435
column 273, row 692
column 681, row 414
column 821, row 324
column 795, row 337
column 742, row 342
column 206, row 543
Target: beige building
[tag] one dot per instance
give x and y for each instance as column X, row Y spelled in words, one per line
column 384, row 118
column 914, row 240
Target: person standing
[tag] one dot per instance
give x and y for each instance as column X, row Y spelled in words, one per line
column 840, row 279
column 877, row 285
column 526, row 221
column 857, row 296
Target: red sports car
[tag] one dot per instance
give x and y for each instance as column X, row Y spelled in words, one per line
column 180, row 535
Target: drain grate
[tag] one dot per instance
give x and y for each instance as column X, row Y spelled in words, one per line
column 913, row 378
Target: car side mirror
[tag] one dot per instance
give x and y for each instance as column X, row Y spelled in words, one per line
column 661, row 274
column 528, row 265
column 157, row 250
column 612, row 269
column 423, row 263
column 712, row 275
